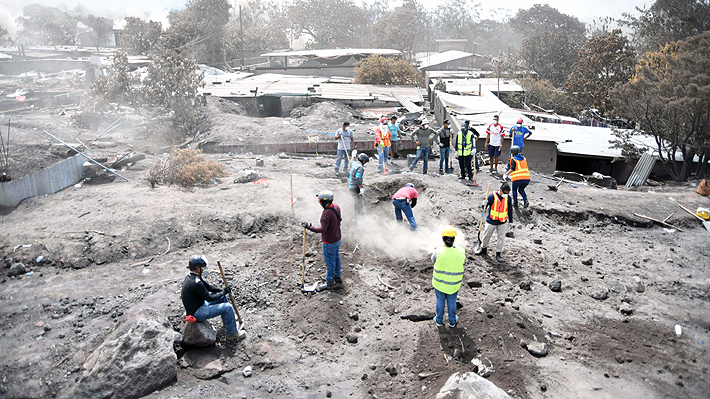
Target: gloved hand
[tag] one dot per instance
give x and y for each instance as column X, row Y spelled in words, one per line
column 483, row 205
column 227, row 290
column 362, row 191
column 305, row 224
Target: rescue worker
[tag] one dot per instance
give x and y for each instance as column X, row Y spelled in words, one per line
column 465, row 145
column 382, row 143
column 519, row 175
column 444, row 140
column 329, row 230
column 346, row 142
column 404, row 200
column 494, row 142
column 448, row 274
column 422, row 137
column 499, row 216
column 204, row 301
column 519, row 134
column 355, row 182
column 395, row 135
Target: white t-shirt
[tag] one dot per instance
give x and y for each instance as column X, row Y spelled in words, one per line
column 495, row 134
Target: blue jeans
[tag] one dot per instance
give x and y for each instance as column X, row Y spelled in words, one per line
column 216, row 308
column 450, row 301
column 423, row 154
column 341, row 154
column 382, row 153
column 519, row 185
column 400, row 206
column 444, row 157
column 331, row 255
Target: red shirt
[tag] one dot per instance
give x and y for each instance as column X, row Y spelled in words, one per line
column 406, row 192
column 329, row 228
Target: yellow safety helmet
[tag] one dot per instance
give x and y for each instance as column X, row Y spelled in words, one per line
column 449, row 231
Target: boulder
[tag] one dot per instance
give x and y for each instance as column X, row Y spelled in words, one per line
column 133, row 361
column 537, row 349
column 555, row 285
column 600, row 294
column 199, row 333
column 470, row 386
column 17, row 269
column 418, row 315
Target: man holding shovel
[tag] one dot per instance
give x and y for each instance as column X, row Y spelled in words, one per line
column 500, row 215
column 203, row 301
column 346, row 142
column 330, row 235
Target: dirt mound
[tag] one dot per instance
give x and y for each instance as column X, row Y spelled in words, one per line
column 326, row 110
column 225, row 106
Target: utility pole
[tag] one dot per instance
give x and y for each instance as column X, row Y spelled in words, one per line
column 241, row 34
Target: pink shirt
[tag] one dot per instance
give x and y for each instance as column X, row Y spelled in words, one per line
column 405, row 192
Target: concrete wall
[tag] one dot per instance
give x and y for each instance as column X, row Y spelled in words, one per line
column 46, row 181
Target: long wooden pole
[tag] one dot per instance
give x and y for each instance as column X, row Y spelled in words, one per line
column 658, row 221
column 231, row 298
column 303, row 267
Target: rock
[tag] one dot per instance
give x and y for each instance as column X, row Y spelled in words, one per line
column 8, row 262
column 199, row 333
column 537, row 241
column 391, row 369
column 588, row 262
column 328, row 394
column 177, row 339
column 47, row 327
column 543, row 387
column 480, row 368
column 247, row 371
column 510, row 234
column 352, row 338
column 640, row 287
column 248, row 178
column 470, row 386
column 537, row 349
column 526, row 285
column 555, row 285
column 416, row 314
column 626, row 310
column 474, row 284
column 480, row 310
column 133, row 361
column 600, row 294
column 17, row 269
column 354, row 316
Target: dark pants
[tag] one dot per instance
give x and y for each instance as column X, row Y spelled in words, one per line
column 465, row 166
column 519, row 185
column 401, row 206
column 357, row 200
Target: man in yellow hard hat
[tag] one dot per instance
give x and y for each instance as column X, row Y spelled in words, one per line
column 448, row 274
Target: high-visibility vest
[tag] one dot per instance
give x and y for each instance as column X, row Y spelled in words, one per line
column 464, row 147
column 499, row 209
column 448, row 269
column 383, row 138
column 521, row 171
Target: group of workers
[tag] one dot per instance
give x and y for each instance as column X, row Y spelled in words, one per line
column 203, row 301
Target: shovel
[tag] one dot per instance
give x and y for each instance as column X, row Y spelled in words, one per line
column 483, row 213
column 554, row 188
column 706, row 224
column 304, row 288
column 240, row 325
column 450, row 169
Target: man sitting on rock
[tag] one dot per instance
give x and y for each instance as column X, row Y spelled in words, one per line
column 204, row 301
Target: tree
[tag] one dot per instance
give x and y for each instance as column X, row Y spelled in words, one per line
column 141, row 37
column 108, row 92
column 330, row 23
column 542, row 95
column 402, row 29
column 198, row 30
column 100, row 27
column 552, row 41
column 669, row 95
column 47, row 26
column 603, row 62
column 454, row 19
column 262, row 28
column 494, row 37
column 378, row 70
column 669, row 20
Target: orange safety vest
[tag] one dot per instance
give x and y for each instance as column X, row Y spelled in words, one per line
column 521, row 171
column 499, row 209
column 382, row 138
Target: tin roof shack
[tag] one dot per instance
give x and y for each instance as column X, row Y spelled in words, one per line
column 325, row 63
column 451, row 60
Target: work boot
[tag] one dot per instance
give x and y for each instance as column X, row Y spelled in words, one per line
column 238, row 336
column 329, row 285
column 462, row 177
column 526, row 204
column 515, row 205
column 481, row 251
column 499, row 258
column 441, row 171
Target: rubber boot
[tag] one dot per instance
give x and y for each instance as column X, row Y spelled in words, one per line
column 499, row 259
column 481, row 251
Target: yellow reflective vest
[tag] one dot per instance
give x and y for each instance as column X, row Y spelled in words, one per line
column 448, row 269
column 464, row 145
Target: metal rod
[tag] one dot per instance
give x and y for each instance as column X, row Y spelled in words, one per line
column 108, row 129
column 85, row 156
column 7, row 149
column 2, row 148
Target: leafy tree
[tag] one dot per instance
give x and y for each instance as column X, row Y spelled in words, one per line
column 263, row 27
column 453, row 19
column 552, row 41
column 542, row 95
column 669, row 95
column 669, row 20
column 402, row 29
column 47, row 26
column 100, row 28
column 141, row 37
column 379, row 70
column 108, row 92
column 603, row 62
column 377, row 10
column 330, row 23
column 494, row 37
column 198, row 30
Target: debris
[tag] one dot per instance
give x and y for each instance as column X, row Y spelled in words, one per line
column 39, row 259
column 657, row 221
column 426, row 375
column 385, row 284
column 480, row 310
column 555, row 285
column 167, row 250
column 678, row 330
column 699, row 215
column 470, row 385
column 250, row 177
column 703, row 188
column 246, row 372
column 418, row 315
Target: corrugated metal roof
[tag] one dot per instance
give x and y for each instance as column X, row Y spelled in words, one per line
column 480, row 109
column 440, row 58
column 332, row 53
